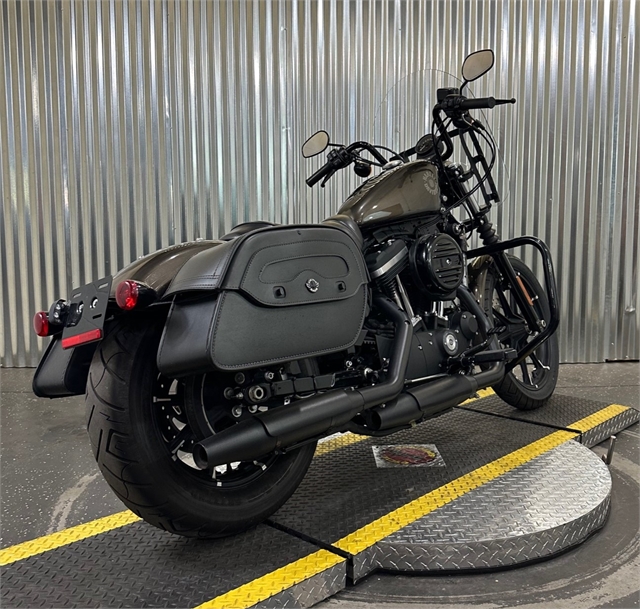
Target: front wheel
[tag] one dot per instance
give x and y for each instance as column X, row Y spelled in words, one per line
column 530, row 384
column 143, row 427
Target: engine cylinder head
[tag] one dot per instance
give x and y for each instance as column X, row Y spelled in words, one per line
column 386, row 262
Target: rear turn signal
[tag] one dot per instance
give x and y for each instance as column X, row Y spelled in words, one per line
column 132, row 294
column 127, row 295
column 41, row 323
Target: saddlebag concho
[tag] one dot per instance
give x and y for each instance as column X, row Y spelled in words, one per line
column 271, row 296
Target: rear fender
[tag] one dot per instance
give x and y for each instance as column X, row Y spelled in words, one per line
column 64, row 372
column 157, row 270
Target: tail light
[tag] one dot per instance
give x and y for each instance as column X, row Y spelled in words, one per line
column 132, row 294
column 47, row 324
column 127, row 294
column 41, row 323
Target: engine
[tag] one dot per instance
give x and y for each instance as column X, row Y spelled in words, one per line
column 429, row 270
column 436, row 264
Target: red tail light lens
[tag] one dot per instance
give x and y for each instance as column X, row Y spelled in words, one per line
column 127, row 294
column 41, row 323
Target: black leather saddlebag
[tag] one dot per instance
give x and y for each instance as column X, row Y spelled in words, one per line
column 271, row 296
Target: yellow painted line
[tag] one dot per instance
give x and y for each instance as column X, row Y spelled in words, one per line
column 481, row 393
column 381, row 528
column 340, row 442
column 277, row 581
column 65, row 537
column 597, row 418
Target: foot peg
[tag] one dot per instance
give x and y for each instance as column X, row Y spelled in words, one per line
column 497, row 355
column 484, row 357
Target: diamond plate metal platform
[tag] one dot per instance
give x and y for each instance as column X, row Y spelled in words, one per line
column 534, row 500
column 141, row 566
column 565, row 411
column 483, row 486
column 538, row 509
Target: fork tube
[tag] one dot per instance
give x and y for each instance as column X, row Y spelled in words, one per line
column 489, row 236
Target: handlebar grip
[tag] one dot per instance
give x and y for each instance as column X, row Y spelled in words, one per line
column 318, row 175
column 480, row 103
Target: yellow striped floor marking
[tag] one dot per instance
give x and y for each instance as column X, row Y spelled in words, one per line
column 277, row 581
column 65, row 537
column 599, row 417
column 341, row 441
column 481, row 393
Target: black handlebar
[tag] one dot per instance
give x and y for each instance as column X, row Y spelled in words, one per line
column 453, row 105
column 342, row 157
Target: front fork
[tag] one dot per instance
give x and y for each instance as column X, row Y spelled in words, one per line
column 540, row 328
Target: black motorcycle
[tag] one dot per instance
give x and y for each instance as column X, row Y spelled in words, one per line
column 212, row 368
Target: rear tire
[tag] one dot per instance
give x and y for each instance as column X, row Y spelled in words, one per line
column 132, row 430
column 531, row 384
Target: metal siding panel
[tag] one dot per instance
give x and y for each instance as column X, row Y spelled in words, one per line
column 130, row 126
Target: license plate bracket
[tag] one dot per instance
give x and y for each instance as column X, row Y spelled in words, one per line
column 87, row 312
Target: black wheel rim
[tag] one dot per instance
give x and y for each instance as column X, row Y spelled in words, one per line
column 533, row 371
column 182, row 423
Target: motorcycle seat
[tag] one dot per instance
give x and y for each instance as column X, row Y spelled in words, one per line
column 348, row 225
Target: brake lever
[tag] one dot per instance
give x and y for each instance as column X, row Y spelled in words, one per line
column 327, row 178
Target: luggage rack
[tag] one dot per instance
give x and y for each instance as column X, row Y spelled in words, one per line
column 422, row 500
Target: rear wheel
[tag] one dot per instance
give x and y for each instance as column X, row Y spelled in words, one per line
column 143, row 426
column 532, row 382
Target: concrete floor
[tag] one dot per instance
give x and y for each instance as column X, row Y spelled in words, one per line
column 50, row 482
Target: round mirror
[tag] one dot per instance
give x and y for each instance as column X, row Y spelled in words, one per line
column 316, row 144
column 477, row 64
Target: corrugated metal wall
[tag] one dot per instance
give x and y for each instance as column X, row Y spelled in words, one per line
column 126, row 127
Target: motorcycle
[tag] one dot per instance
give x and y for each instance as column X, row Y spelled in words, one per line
column 212, row 368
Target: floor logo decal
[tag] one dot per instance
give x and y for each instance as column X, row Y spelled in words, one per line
column 408, row 455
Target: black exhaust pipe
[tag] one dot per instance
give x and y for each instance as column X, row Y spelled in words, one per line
column 321, row 414
column 431, row 398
